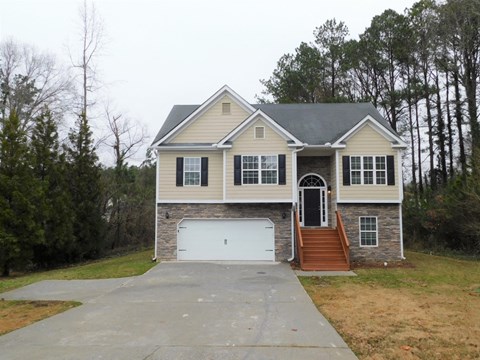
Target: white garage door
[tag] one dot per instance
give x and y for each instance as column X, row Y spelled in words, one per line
column 226, row 239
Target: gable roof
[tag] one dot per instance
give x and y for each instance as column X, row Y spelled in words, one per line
column 199, row 110
column 175, row 117
column 318, row 124
column 259, row 114
column 314, row 124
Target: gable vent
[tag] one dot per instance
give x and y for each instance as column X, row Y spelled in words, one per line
column 225, row 108
column 259, row 132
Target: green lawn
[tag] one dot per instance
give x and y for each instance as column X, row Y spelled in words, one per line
column 122, row 266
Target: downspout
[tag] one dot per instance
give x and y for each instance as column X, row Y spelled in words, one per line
column 402, row 257
column 156, row 204
column 294, row 197
column 400, row 194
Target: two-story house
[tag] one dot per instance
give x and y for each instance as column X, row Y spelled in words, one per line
column 271, row 182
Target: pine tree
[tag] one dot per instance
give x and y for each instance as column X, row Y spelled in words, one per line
column 84, row 178
column 54, row 206
column 19, row 230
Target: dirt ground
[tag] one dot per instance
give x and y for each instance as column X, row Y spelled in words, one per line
column 403, row 323
column 17, row 314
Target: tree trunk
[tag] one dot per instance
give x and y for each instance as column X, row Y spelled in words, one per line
column 449, row 125
column 441, row 132
column 459, row 121
column 412, row 136
column 431, row 153
column 419, row 148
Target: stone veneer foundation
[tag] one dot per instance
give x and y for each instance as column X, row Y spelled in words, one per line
column 388, row 227
column 167, row 228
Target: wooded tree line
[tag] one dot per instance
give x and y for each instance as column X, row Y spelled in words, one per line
column 421, row 70
column 58, row 204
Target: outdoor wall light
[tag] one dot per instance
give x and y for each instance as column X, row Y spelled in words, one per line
column 329, row 189
column 284, row 215
column 167, row 215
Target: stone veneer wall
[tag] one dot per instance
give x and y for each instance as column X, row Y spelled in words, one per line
column 167, row 228
column 388, row 224
column 319, row 165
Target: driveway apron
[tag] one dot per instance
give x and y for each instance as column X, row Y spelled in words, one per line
column 180, row 311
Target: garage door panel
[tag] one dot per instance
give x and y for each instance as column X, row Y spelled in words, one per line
column 225, row 239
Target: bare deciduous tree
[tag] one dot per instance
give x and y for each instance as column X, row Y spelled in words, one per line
column 30, row 80
column 125, row 137
column 92, row 37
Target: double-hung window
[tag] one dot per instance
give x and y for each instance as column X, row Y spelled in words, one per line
column 368, row 170
column 259, row 169
column 368, row 231
column 191, row 171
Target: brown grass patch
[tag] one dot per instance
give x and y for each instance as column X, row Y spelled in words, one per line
column 17, row 314
column 418, row 313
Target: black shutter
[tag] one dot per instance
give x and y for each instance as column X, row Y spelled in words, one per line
column 346, row 170
column 179, row 171
column 390, row 170
column 282, row 171
column 237, row 172
column 204, row 174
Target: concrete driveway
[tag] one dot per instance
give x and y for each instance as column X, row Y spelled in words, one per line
column 179, row 311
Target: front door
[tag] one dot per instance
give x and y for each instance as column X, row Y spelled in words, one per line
column 311, row 207
column 313, row 200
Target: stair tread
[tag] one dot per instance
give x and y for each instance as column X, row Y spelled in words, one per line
column 323, row 250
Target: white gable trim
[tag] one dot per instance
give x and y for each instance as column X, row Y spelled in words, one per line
column 377, row 127
column 235, row 133
column 225, row 90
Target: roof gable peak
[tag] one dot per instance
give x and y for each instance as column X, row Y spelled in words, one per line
column 224, row 90
column 252, row 118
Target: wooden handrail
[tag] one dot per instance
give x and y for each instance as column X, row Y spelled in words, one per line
column 298, row 238
column 343, row 237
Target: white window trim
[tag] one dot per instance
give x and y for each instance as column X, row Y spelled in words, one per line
column 362, row 170
column 199, row 172
column 255, row 133
column 360, row 231
column 260, row 170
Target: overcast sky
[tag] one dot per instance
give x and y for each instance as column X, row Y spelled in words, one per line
column 161, row 53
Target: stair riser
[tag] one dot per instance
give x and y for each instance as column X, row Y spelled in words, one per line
column 322, row 250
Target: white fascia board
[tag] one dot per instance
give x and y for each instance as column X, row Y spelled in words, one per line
column 377, row 127
column 272, row 123
column 258, row 201
column 325, row 146
column 354, row 201
column 302, row 146
column 192, row 201
column 186, row 147
column 230, row 201
column 225, row 90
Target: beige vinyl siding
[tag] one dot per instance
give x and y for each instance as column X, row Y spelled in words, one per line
column 167, row 189
column 368, row 141
column 212, row 126
column 246, row 144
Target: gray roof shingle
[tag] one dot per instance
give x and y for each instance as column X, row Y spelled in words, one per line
column 314, row 124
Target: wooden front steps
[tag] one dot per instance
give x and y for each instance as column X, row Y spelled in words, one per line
column 322, row 250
